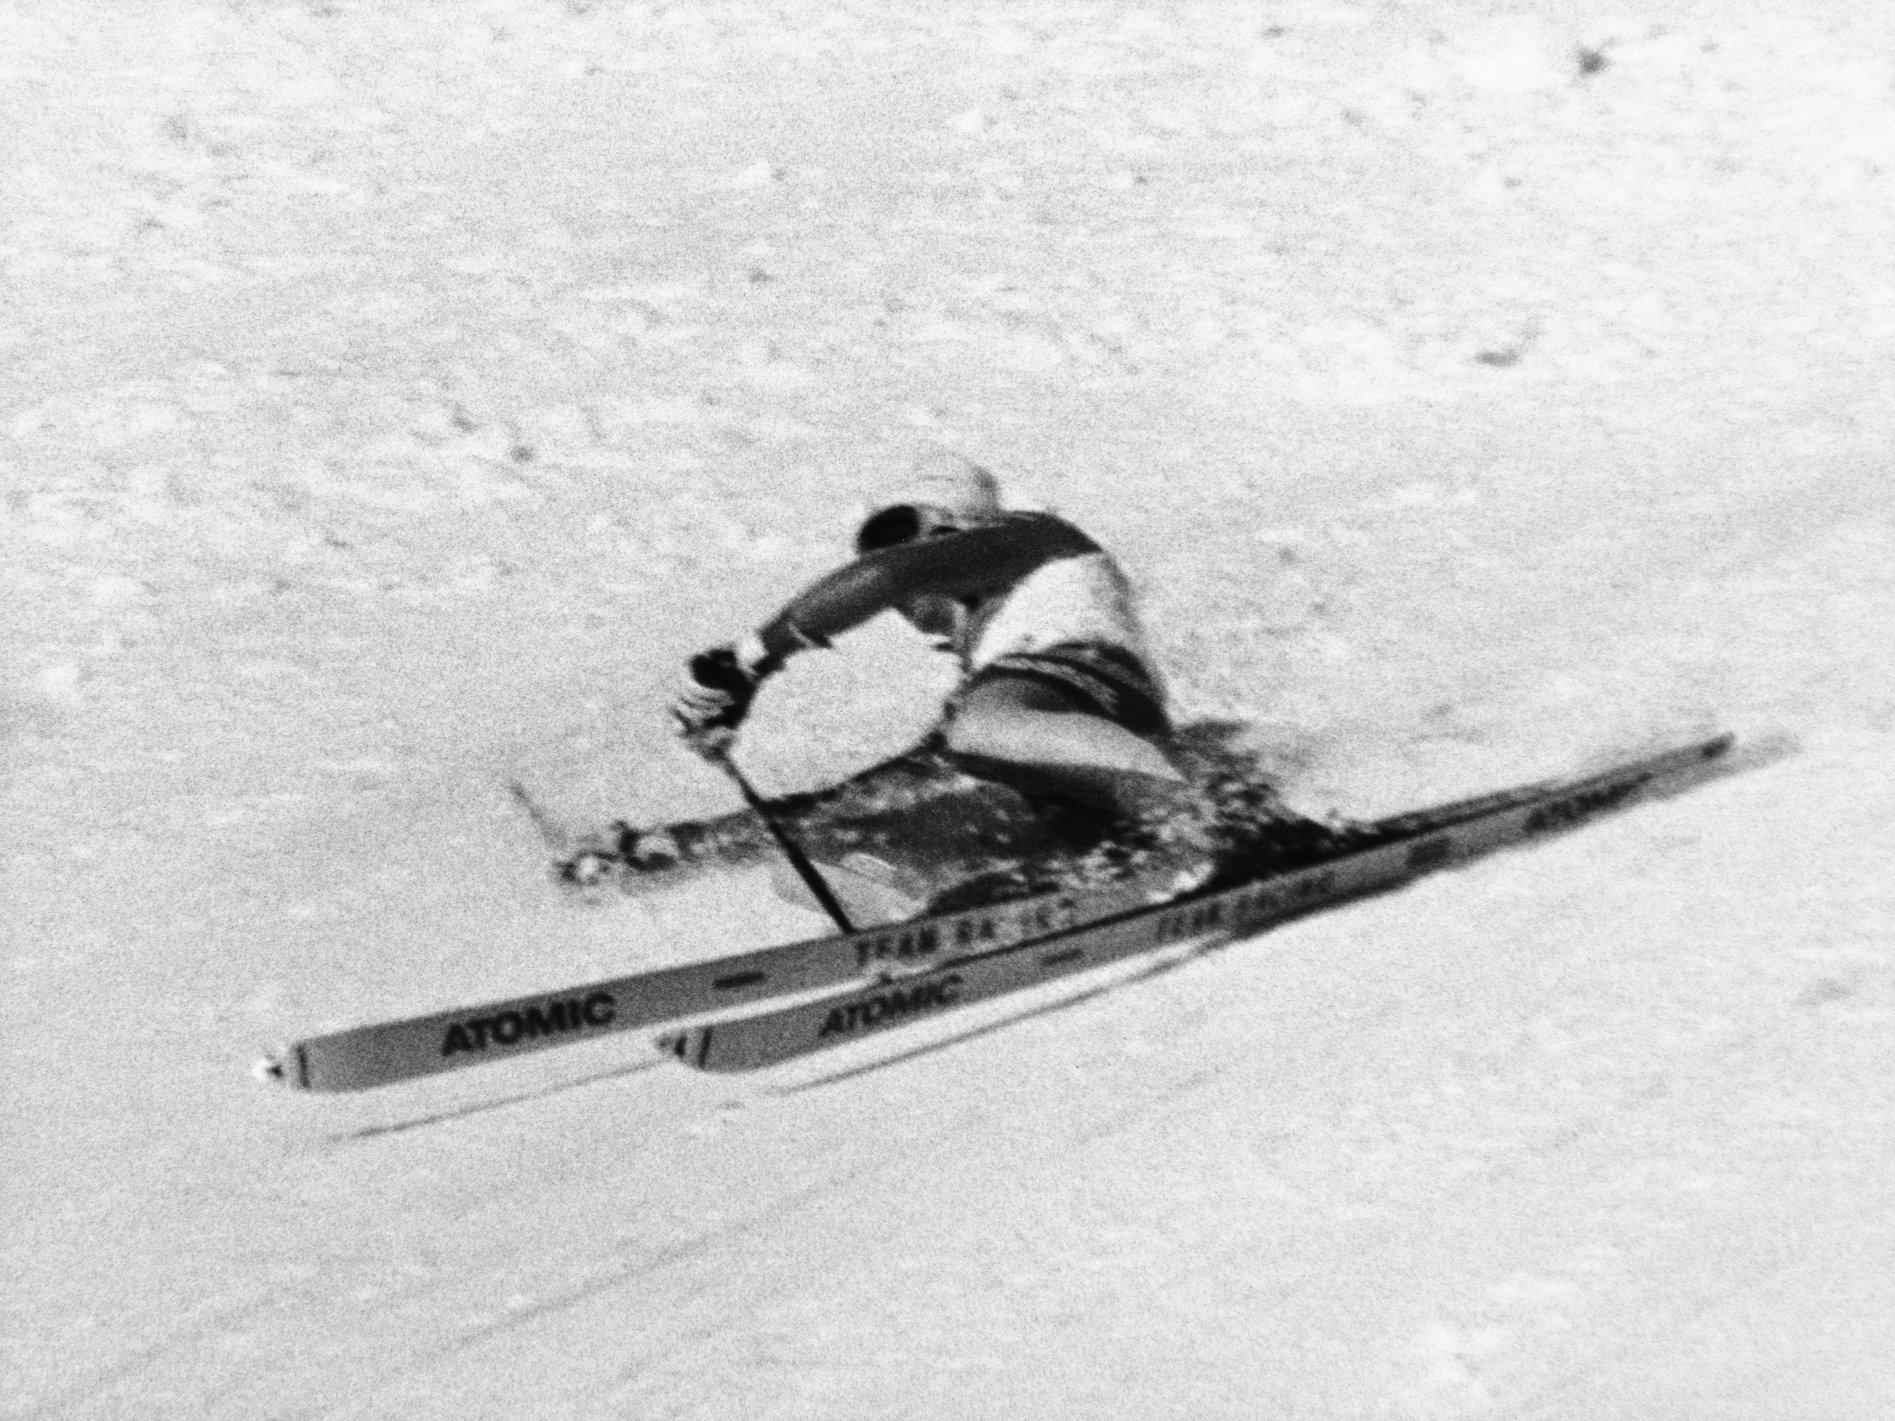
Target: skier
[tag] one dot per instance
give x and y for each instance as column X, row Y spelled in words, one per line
column 1057, row 696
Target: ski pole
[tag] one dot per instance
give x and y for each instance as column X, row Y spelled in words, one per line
column 805, row 870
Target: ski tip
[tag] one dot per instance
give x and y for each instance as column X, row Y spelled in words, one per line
column 691, row 1046
column 286, row 1066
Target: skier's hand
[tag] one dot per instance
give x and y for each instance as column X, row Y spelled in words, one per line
column 714, row 699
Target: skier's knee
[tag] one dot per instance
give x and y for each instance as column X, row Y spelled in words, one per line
column 969, row 732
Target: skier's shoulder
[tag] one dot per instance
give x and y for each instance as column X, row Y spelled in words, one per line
column 1044, row 532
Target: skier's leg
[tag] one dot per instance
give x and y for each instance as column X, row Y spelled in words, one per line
column 886, row 790
column 1046, row 737
column 1053, row 740
column 922, row 805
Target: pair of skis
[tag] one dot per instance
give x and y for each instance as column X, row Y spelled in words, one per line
column 844, row 987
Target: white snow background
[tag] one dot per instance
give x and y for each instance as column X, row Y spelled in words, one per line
column 392, row 393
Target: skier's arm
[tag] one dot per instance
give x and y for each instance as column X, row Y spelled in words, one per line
column 721, row 683
column 966, row 564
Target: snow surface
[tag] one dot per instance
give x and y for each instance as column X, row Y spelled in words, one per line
column 394, row 392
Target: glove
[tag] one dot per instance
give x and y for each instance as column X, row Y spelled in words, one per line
column 719, row 686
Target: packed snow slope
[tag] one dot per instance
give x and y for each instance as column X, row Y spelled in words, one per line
column 391, row 394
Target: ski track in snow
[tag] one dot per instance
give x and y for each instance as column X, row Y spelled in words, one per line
column 395, row 394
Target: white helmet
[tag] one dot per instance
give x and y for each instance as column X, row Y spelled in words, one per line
column 941, row 490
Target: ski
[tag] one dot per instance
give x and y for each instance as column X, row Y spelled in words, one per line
column 382, row 1053
column 971, row 945
column 1422, row 844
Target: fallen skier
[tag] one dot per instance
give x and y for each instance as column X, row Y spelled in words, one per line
column 1058, row 699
